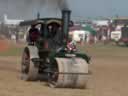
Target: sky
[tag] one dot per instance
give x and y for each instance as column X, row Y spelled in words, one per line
column 94, row 8
column 27, row 9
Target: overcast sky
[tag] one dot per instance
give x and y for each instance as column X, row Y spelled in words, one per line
column 99, row 7
column 25, row 9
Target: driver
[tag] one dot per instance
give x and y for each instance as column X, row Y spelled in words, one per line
column 33, row 34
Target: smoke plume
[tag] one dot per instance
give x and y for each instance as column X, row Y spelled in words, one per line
column 60, row 4
column 45, row 7
column 28, row 9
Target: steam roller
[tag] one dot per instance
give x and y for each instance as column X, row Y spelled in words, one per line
column 53, row 56
column 71, row 73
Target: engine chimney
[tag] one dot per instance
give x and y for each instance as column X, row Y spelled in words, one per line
column 65, row 23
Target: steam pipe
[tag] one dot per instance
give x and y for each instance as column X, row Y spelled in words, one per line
column 65, row 24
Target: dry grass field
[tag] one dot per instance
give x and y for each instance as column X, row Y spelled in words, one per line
column 109, row 68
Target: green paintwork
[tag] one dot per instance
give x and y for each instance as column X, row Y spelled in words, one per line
column 54, row 55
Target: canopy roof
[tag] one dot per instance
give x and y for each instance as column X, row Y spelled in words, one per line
column 43, row 21
column 90, row 29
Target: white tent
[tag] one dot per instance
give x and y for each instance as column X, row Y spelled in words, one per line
column 101, row 22
column 79, row 35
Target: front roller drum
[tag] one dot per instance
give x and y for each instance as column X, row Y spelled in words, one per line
column 29, row 72
column 71, row 73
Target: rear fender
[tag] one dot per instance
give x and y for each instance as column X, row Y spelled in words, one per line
column 33, row 52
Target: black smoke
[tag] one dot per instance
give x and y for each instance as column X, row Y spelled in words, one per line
column 60, row 4
column 28, row 9
column 46, row 7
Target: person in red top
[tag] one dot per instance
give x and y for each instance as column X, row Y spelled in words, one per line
column 33, row 34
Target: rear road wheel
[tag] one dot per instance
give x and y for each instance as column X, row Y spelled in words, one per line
column 29, row 72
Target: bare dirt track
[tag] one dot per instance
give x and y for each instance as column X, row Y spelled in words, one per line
column 110, row 68
column 109, row 76
column 11, row 85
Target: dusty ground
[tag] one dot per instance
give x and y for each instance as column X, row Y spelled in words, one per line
column 109, row 77
column 11, row 85
column 110, row 68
